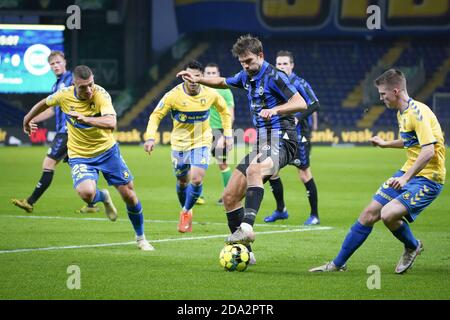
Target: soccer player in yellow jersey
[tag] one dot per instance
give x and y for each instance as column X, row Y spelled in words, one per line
column 411, row 189
column 91, row 119
column 189, row 105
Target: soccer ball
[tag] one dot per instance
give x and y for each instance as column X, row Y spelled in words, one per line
column 234, row 257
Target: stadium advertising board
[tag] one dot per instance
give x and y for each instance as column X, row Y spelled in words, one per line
column 314, row 17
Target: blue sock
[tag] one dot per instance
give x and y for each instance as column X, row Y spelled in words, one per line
column 136, row 218
column 405, row 235
column 99, row 197
column 181, row 192
column 192, row 194
column 357, row 235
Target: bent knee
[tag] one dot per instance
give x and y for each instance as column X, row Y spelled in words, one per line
column 196, row 180
column 87, row 194
column 229, row 199
column 387, row 217
column 370, row 216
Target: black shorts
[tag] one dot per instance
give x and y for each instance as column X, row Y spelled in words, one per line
column 281, row 149
column 301, row 160
column 218, row 153
column 58, row 149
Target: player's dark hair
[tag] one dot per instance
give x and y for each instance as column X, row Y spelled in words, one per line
column 285, row 53
column 82, row 72
column 195, row 65
column 213, row 65
column 55, row 53
column 391, row 77
column 247, row 43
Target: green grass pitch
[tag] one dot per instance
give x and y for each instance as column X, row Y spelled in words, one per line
column 186, row 266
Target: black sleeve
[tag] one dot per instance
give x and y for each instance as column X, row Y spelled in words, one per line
column 315, row 106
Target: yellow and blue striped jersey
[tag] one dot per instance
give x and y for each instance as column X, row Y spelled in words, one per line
column 418, row 127
column 190, row 115
column 85, row 141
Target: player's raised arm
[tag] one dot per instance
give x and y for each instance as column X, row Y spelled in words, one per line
column 28, row 125
column 213, row 82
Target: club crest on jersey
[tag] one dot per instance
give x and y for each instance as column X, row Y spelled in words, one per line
column 126, row 174
column 72, row 108
column 182, row 117
column 261, row 91
column 203, row 101
column 92, row 105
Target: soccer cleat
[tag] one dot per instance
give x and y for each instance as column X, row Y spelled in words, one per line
column 220, row 202
column 23, row 204
column 408, row 257
column 185, row 223
column 87, row 209
column 329, row 267
column 252, row 260
column 240, row 236
column 201, row 200
column 277, row 215
column 110, row 209
column 312, row 220
column 144, row 245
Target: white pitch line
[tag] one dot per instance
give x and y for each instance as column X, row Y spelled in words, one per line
column 154, row 241
column 147, row 221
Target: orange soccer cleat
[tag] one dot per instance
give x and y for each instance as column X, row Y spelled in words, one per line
column 185, row 224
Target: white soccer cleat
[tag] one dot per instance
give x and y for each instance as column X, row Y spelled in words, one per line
column 252, row 260
column 241, row 236
column 329, row 267
column 110, row 209
column 408, row 257
column 144, row 245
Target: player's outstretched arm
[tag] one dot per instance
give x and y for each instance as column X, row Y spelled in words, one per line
column 213, row 82
column 379, row 142
column 28, row 125
column 47, row 114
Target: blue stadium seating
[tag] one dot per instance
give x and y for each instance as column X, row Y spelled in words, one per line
column 10, row 116
column 332, row 67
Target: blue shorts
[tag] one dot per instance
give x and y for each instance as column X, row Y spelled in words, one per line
column 110, row 163
column 183, row 160
column 416, row 195
column 301, row 160
column 58, row 149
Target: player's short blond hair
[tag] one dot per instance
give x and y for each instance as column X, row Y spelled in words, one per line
column 56, row 53
column 391, row 78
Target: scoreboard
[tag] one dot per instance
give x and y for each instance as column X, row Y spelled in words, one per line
column 23, row 57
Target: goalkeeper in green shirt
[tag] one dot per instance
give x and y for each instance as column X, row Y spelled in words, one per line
column 218, row 150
